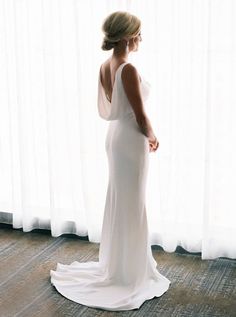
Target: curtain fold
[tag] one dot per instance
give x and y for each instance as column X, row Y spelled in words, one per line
column 53, row 165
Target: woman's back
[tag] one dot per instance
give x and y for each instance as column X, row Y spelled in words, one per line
column 116, row 105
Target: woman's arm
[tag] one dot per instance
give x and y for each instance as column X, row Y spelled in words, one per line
column 131, row 84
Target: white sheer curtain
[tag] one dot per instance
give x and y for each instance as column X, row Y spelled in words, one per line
column 53, row 166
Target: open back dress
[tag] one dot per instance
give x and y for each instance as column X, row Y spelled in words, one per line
column 126, row 274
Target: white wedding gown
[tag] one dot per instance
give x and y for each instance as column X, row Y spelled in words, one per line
column 126, row 274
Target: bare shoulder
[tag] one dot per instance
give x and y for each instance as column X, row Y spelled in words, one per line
column 104, row 69
column 104, row 65
column 129, row 72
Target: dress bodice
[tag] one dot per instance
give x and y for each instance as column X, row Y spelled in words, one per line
column 119, row 105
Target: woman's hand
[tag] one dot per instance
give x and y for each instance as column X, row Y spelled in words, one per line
column 153, row 144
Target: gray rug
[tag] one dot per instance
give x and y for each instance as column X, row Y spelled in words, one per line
column 199, row 287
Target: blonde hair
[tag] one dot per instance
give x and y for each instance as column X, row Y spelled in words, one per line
column 118, row 25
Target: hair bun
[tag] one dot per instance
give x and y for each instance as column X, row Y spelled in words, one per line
column 107, row 44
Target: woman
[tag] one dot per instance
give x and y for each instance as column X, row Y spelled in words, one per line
column 125, row 275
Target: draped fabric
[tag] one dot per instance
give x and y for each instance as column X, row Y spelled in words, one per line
column 53, row 166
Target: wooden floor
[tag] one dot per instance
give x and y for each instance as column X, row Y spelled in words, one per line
column 198, row 287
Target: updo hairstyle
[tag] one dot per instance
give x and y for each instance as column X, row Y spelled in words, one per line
column 118, row 25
